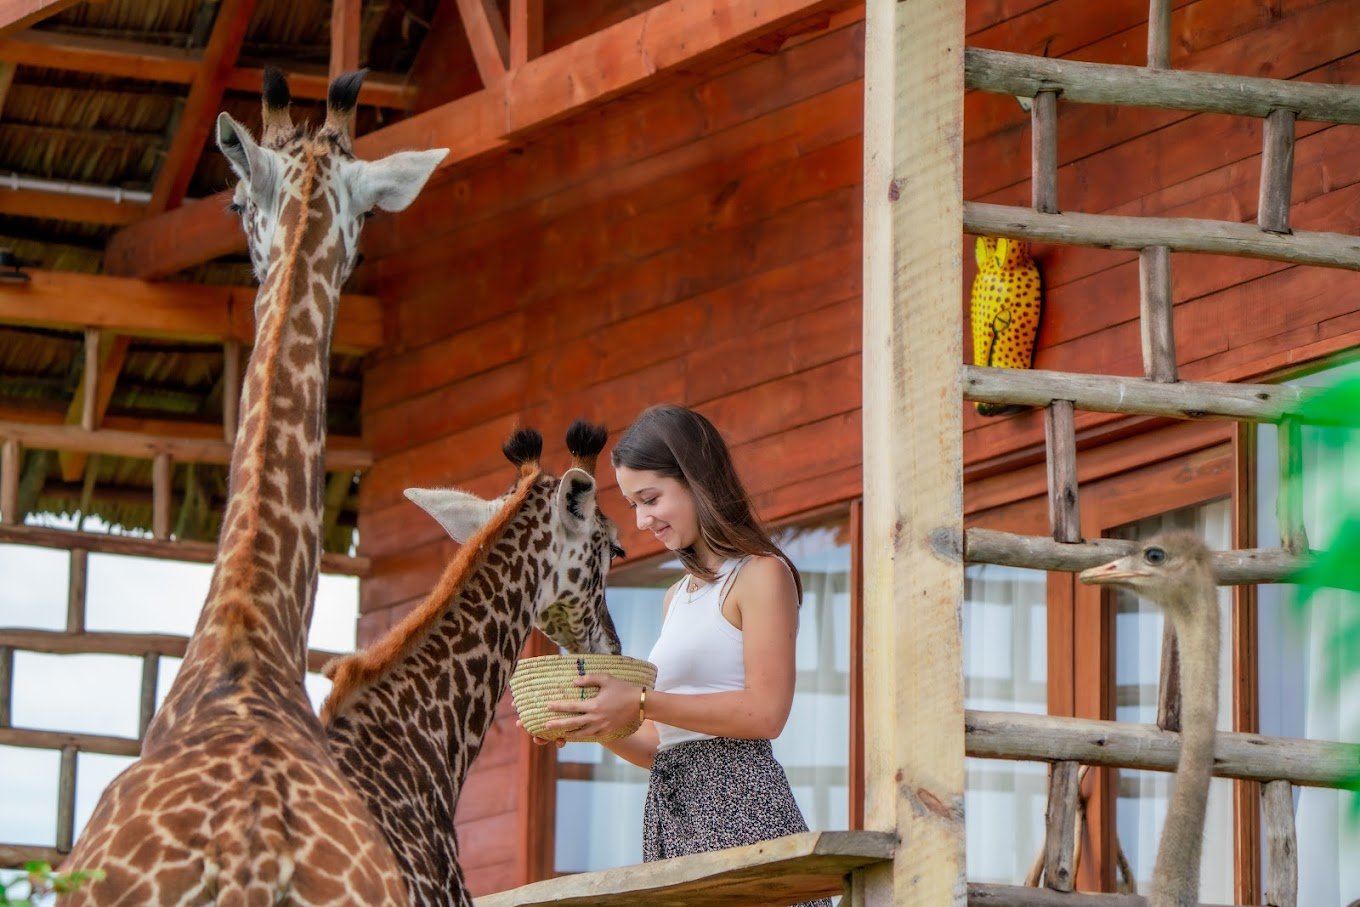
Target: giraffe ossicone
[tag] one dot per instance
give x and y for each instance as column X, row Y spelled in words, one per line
column 406, row 717
column 236, row 797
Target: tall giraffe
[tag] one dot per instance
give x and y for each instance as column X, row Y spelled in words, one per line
column 406, row 718
column 235, row 798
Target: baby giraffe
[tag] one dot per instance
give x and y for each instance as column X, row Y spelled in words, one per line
column 1173, row 569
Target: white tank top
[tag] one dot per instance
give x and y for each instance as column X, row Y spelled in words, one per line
column 698, row 651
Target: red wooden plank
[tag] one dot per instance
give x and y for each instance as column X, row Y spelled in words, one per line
column 16, row 15
column 346, row 20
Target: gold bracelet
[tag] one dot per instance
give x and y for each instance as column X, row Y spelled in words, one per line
column 642, row 705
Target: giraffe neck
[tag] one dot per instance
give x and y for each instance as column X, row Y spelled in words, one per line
column 1176, row 875
column 406, row 741
column 255, row 620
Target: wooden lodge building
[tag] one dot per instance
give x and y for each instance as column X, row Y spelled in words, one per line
column 665, row 200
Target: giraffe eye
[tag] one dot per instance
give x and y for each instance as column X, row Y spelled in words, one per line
column 616, row 550
column 236, row 207
column 367, row 214
column 1155, row 556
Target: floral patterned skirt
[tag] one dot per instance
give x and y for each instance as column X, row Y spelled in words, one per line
column 717, row 793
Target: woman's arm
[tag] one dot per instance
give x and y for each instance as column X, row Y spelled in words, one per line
column 765, row 601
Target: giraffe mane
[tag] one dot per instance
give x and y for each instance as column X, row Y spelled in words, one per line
column 273, row 341
column 351, row 673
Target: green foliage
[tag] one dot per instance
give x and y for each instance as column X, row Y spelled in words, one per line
column 39, row 882
column 1338, row 564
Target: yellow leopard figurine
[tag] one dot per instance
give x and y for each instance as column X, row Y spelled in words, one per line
column 1005, row 309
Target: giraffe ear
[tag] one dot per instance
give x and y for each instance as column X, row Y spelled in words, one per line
column 576, row 500
column 460, row 513
column 252, row 163
column 393, row 182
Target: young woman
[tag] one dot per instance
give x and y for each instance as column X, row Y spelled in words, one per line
column 725, row 656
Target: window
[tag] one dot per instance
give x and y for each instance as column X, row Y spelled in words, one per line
column 600, row 797
column 1298, row 698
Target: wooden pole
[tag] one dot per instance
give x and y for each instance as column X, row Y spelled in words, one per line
column 90, row 384
column 1159, row 34
column 75, row 590
column 10, row 456
column 6, row 685
column 1282, row 845
column 1156, row 314
column 66, row 799
column 1043, row 115
column 1277, row 172
column 913, row 591
column 151, row 664
column 162, row 495
column 231, row 389
column 1060, row 871
column 1060, row 440
column 1289, row 499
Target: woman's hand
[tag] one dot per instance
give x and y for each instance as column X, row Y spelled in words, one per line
column 539, row 741
column 613, row 708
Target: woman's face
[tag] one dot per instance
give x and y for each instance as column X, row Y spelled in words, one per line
column 664, row 506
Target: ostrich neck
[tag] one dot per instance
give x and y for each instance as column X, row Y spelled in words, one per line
column 1175, row 878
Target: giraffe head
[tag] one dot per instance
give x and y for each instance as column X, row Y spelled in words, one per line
column 571, row 547
column 292, row 170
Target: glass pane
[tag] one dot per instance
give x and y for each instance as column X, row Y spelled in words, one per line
column 1143, row 796
column 1299, row 651
column 1005, row 668
column 600, row 797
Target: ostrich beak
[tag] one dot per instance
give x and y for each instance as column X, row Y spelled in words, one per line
column 1113, row 572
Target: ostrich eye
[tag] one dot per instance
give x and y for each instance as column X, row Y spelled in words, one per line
column 1155, row 556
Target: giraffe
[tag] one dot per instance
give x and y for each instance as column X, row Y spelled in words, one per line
column 235, row 798
column 407, row 717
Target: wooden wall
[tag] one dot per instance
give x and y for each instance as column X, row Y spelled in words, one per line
column 701, row 244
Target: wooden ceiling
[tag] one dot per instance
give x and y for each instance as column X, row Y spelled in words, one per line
column 129, row 332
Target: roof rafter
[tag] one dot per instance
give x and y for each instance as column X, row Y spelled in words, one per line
column 486, row 33
column 20, row 14
column 190, row 311
column 673, row 36
column 61, row 206
column 526, row 31
column 157, row 63
column 346, row 24
column 205, row 99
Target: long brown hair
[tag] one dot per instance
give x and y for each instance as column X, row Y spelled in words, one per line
column 679, row 443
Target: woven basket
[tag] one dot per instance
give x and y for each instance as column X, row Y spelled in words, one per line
column 548, row 678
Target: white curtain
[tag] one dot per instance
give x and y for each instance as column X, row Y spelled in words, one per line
column 1301, row 660
column 1005, row 665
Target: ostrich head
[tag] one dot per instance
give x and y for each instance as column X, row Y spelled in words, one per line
column 1172, row 568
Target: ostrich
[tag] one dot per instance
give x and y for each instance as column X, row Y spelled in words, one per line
column 1173, row 569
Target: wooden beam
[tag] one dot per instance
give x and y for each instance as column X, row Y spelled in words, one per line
column 784, row 870
column 346, row 20
column 62, row 206
column 913, row 449
column 526, row 31
column 188, row 311
column 486, row 35
column 179, row 66
column 202, row 105
column 136, row 546
column 981, row 894
column 16, row 15
column 672, row 37
column 341, row 454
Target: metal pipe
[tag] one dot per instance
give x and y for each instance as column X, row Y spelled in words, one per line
column 63, row 187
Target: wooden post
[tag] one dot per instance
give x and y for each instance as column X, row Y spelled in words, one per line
column 1156, row 314
column 10, row 456
column 345, row 27
column 913, row 353
column 90, row 399
column 1159, row 34
column 1060, row 870
column 231, row 389
column 161, row 496
column 1277, row 172
column 1060, row 439
column 1043, row 118
column 6, row 685
column 75, row 590
column 1289, row 499
column 66, row 799
column 151, row 664
column 1282, row 845
column 526, row 31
